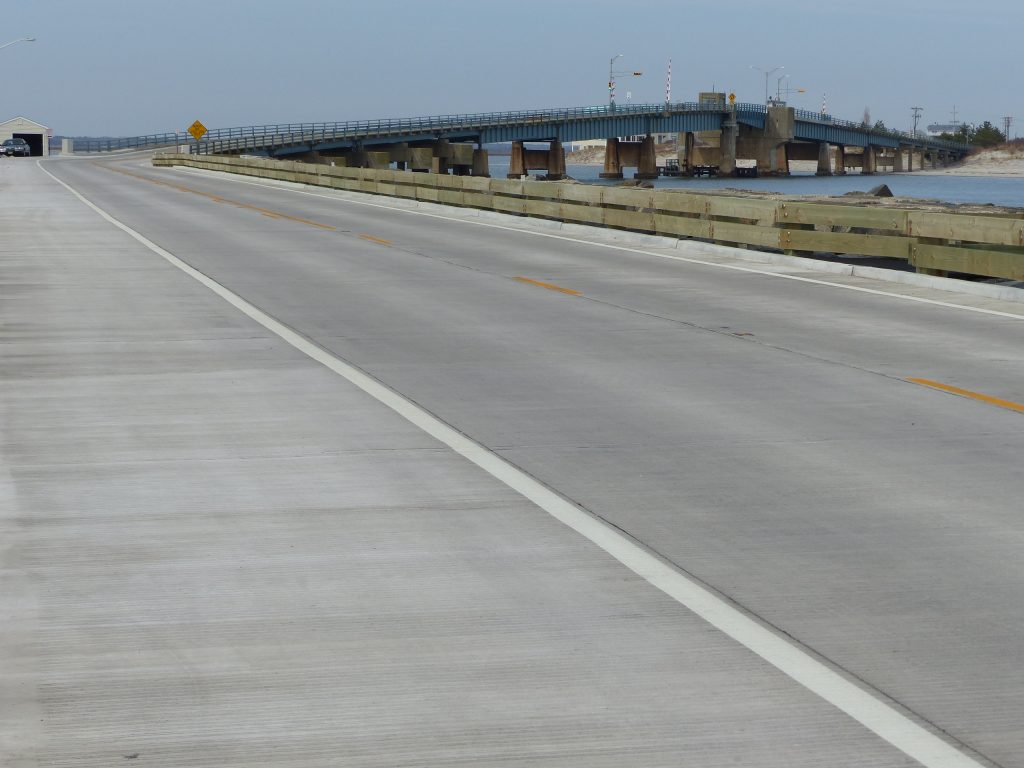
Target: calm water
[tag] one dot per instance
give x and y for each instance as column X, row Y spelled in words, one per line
column 951, row 189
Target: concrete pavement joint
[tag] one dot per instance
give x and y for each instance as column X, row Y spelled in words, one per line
column 882, row 718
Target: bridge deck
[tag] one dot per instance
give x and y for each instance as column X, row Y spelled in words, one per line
column 219, row 552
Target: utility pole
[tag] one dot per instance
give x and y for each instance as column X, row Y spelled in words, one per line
column 612, row 74
column 917, row 116
column 1007, row 122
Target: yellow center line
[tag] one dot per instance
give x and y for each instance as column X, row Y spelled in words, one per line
column 373, row 239
column 219, row 199
column 549, row 286
column 967, row 393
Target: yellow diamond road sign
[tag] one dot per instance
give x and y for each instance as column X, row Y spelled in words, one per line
column 197, row 129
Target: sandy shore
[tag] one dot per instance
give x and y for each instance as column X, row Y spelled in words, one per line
column 1003, row 162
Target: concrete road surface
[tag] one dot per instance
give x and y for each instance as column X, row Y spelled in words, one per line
column 370, row 487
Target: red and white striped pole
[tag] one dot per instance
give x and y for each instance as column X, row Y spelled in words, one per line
column 668, row 84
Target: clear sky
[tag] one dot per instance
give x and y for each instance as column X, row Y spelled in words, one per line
column 124, row 67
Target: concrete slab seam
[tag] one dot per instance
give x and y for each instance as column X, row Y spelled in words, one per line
column 893, row 726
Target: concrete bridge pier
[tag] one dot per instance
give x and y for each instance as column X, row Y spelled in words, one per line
column 730, row 135
column 517, row 162
column 685, row 144
column 780, row 161
column 620, row 154
column 647, row 162
column 440, row 155
column 909, row 153
column 551, row 160
column 840, row 169
column 612, row 166
column 353, row 157
column 767, row 146
column 356, row 157
column 399, row 155
column 824, row 159
column 556, row 161
column 421, row 159
column 481, row 162
column 869, row 161
column 460, row 158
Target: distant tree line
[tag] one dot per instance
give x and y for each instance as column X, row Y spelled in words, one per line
column 984, row 135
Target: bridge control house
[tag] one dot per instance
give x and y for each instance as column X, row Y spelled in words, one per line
column 36, row 135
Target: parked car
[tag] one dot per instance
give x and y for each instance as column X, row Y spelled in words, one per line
column 15, row 148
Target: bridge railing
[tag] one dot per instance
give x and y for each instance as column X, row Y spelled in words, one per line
column 86, row 144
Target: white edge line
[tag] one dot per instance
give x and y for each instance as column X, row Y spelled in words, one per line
column 877, row 716
column 612, row 246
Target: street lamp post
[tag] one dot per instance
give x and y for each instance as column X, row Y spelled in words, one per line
column 19, row 40
column 612, row 74
column 767, row 74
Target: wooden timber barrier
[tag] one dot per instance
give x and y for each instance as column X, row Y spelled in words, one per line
column 935, row 242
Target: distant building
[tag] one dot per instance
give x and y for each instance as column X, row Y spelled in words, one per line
column 36, row 134
column 936, row 128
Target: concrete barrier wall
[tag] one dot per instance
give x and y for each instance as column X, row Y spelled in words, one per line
column 933, row 242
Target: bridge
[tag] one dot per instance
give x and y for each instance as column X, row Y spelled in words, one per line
column 710, row 132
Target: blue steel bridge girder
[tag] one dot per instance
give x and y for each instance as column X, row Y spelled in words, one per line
column 293, row 149
column 839, row 134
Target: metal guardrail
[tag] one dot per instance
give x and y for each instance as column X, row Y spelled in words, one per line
column 282, row 134
column 85, row 144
